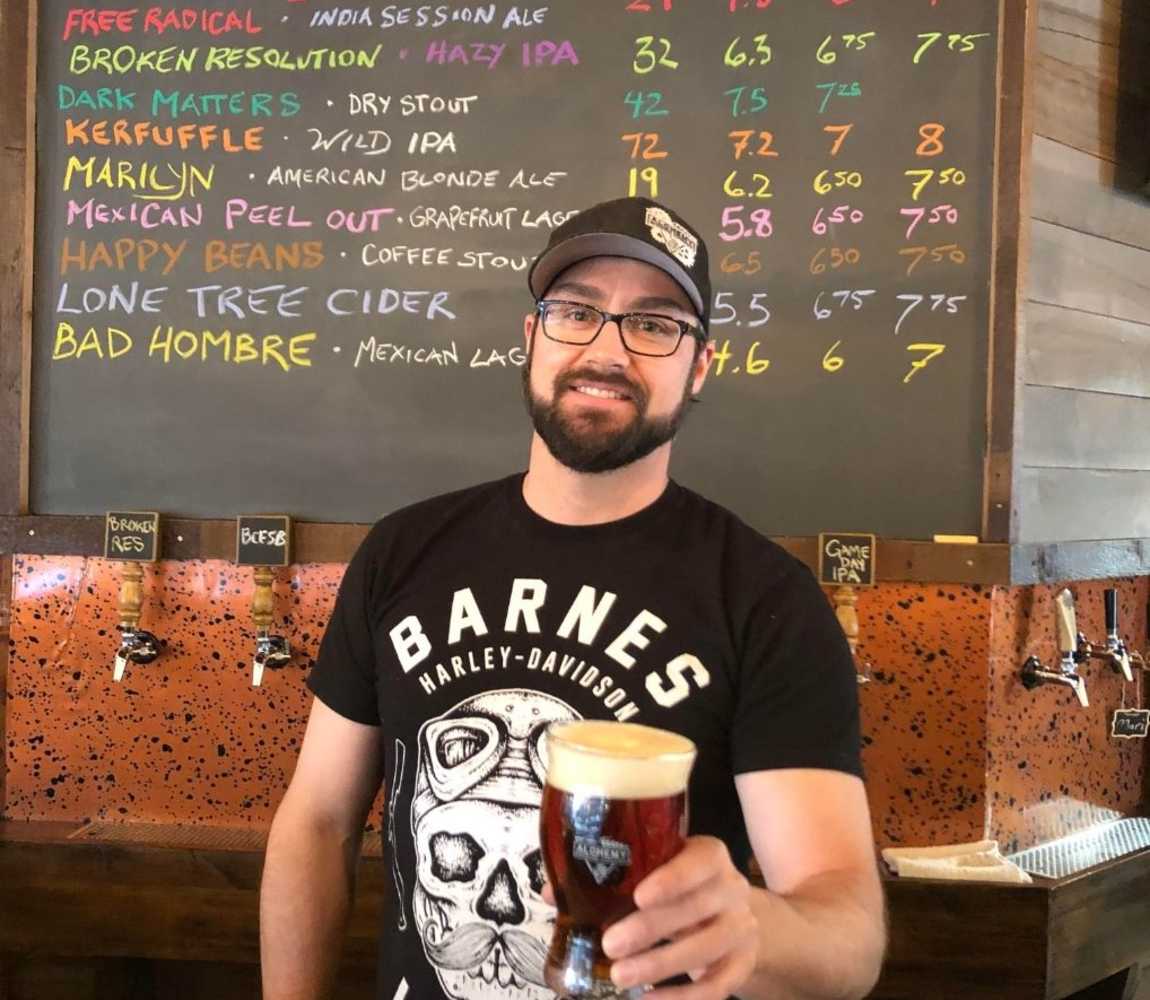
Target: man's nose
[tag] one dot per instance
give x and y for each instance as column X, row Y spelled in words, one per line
column 607, row 348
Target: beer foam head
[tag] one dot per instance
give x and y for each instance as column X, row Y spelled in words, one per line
column 618, row 760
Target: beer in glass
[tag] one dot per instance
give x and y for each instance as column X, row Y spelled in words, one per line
column 614, row 809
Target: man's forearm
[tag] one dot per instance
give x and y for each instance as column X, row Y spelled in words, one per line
column 819, row 943
column 305, row 899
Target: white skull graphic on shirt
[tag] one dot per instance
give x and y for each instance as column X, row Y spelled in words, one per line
column 475, row 822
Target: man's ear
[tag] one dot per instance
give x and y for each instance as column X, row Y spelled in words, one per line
column 701, row 367
column 530, row 322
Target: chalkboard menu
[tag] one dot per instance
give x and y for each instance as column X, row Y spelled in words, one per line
column 281, row 249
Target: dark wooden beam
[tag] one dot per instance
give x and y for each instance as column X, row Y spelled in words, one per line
column 5, row 625
column 83, row 898
column 17, row 196
column 957, row 940
column 948, row 940
column 1045, row 941
column 897, row 560
column 179, row 538
column 1011, row 212
column 1098, row 922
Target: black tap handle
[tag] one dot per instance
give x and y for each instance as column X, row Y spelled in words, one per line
column 1110, row 599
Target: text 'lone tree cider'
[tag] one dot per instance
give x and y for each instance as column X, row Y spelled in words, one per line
column 614, row 809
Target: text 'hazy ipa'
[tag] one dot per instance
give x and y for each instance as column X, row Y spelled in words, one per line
column 614, row 809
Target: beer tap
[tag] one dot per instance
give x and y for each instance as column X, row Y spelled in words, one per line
column 846, row 601
column 137, row 645
column 1114, row 651
column 1033, row 673
column 847, row 562
column 272, row 651
column 264, row 541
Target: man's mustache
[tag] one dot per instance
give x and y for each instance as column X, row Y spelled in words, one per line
column 469, row 944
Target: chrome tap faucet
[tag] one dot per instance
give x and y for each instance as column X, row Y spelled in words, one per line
column 1114, row 651
column 137, row 645
column 1033, row 673
column 272, row 653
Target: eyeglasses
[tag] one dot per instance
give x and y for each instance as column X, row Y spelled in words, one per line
column 649, row 334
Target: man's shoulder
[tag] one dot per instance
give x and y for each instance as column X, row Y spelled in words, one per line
column 739, row 540
column 434, row 511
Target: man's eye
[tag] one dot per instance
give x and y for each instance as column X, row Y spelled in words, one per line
column 655, row 327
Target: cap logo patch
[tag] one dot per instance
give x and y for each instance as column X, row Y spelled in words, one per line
column 677, row 239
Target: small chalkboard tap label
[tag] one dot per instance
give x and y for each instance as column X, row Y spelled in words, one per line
column 264, row 541
column 846, row 561
column 1035, row 674
column 1130, row 723
column 132, row 537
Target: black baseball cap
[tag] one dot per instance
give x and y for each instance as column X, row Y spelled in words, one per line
column 637, row 228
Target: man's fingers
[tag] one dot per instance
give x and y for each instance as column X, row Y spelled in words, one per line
column 692, row 952
column 645, row 928
column 697, row 863
column 719, row 982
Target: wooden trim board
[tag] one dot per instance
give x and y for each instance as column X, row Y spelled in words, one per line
column 1011, row 246
column 17, row 208
column 314, row 542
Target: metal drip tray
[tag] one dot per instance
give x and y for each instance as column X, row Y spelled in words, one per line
column 1070, row 855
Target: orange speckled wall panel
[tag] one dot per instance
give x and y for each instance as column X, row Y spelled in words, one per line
column 924, row 711
column 955, row 748
column 185, row 739
column 1054, row 767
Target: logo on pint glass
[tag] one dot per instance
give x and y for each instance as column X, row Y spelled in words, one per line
column 603, row 857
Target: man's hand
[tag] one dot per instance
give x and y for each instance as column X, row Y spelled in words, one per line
column 699, row 904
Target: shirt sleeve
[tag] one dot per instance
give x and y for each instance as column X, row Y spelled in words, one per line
column 798, row 692
column 343, row 677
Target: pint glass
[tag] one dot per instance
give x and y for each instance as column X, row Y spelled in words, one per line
column 614, row 809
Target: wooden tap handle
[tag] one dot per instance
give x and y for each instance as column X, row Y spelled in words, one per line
column 1110, row 605
column 131, row 594
column 846, row 610
column 1067, row 623
column 263, row 600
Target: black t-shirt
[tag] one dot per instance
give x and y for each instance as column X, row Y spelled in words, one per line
column 467, row 622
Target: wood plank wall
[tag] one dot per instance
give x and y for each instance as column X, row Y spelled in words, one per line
column 1084, row 447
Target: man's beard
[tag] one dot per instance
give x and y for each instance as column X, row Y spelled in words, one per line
column 591, row 442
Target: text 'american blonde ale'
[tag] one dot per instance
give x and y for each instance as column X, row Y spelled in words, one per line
column 614, row 809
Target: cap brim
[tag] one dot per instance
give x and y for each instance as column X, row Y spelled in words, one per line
column 548, row 267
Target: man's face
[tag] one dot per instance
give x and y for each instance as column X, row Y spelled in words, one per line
column 572, row 392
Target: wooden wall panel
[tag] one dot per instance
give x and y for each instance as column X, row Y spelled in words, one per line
column 1089, row 19
column 1072, row 429
column 1084, row 438
column 1076, row 190
column 1076, row 91
column 1084, row 272
column 1083, row 504
column 1079, row 350
column 1088, row 80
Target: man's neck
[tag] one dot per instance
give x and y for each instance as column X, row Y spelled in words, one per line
column 558, row 494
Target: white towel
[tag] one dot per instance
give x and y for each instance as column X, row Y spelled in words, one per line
column 980, row 861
